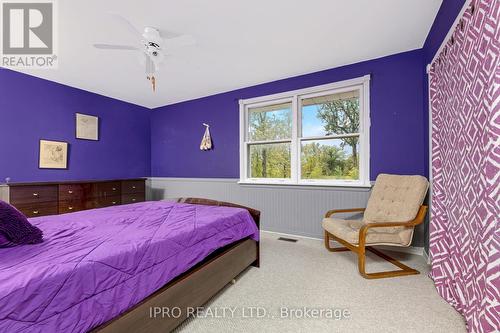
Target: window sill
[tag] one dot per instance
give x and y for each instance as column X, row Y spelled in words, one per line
column 304, row 185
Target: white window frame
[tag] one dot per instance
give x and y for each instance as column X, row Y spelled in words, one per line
column 295, row 96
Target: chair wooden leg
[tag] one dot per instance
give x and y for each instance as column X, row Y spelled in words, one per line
column 362, row 261
column 333, row 249
column 361, row 252
column 405, row 270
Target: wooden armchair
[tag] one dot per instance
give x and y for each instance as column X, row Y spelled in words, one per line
column 393, row 210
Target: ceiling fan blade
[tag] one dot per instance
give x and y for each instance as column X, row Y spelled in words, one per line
column 167, row 34
column 180, row 41
column 115, row 47
column 126, row 23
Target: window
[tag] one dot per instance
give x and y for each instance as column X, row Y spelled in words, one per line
column 313, row 136
column 270, row 140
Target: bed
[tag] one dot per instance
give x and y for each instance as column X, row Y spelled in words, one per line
column 103, row 269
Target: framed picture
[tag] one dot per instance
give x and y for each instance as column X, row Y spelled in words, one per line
column 87, row 127
column 53, row 155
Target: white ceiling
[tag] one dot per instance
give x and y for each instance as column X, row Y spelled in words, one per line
column 239, row 43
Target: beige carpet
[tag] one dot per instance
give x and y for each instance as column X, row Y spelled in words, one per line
column 304, row 274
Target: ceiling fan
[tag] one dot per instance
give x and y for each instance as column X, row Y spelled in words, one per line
column 152, row 45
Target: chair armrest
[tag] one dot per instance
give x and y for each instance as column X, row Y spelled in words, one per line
column 338, row 211
column 416, row 221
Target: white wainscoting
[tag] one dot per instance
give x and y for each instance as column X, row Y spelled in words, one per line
column 294, row 210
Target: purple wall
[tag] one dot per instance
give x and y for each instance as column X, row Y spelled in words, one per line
column 399, row 113
column 33, row 109
column 397, row 143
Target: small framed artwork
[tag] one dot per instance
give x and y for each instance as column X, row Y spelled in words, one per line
column 53, row 155
column 87, row 127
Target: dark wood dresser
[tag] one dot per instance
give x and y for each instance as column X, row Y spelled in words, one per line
column 39, row 199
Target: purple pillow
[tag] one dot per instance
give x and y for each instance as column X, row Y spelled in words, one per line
column 14, row 226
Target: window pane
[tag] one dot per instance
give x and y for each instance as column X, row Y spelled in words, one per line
column 333, row 114
column 330, row 159
column 272, row 122
column 269, row 160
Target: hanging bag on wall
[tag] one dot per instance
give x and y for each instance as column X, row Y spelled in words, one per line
column 206, row 142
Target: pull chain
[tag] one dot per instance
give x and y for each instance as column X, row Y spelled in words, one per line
column 150, row 69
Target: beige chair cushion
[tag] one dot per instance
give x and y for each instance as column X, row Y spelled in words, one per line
column 395, row 198
column 348, row 230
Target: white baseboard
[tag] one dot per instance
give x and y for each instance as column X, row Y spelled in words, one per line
column 411, row 249
column 289, row 235
column 427, row 257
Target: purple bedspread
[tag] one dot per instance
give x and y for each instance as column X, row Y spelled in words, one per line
column 95, row 264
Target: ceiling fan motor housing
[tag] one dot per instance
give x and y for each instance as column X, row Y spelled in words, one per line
column 152, row 40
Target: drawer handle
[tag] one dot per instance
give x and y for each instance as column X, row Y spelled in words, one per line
column 133, row 187
column 35, row 212
column 70, row 192
column 133, row 199
column 35, row 194
column 114, row 202
column 114, row 188
column 70, row 208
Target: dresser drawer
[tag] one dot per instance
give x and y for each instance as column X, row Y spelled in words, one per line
column 133, row 198
column 133, row 186
column 38, row 209
column 108, row 201
column 73, row 192
column 69, row 206
column 33, row 194
column 108, row 189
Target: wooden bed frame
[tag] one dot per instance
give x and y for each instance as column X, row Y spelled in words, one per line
column 191, row 289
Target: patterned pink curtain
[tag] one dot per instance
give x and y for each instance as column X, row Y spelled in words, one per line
column 464, row 227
